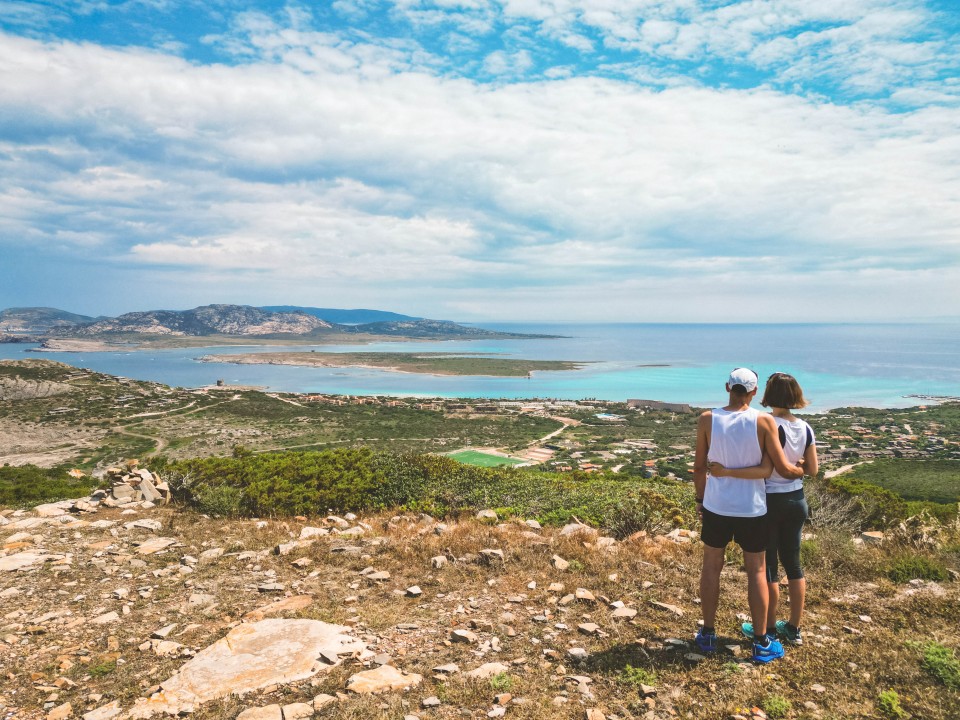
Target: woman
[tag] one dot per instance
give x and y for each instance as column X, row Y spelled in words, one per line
column 786, row 505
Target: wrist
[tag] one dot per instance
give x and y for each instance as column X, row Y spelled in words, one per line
column 699, row 501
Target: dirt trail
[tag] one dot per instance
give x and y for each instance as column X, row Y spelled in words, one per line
column 844, row 469
column 567, row 422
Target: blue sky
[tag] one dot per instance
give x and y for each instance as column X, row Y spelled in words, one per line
column 548, row 160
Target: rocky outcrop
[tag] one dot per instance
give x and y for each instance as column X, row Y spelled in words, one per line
column 206, row 320
column 18, row 388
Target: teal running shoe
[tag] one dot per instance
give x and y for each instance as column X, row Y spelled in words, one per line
column 747, row 630
column 789, row 635
column 773, row 650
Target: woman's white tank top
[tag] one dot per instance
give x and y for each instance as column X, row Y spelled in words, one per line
column 734, row 444
column 795, row 436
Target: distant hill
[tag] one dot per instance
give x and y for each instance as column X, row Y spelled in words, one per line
column 206, row 320
column 344, row 317
column 235, row 320
column 38, row 319
column 429, row 329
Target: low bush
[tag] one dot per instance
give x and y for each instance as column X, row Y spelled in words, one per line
column 876, row 506
column 831, row 509
column 28, row 485
column 221, row 501
column 637, row 676
column 942, row 663
column 916, row 567
column 944, row 513
column 776, row 706
column 303, row 483
column 889, row 704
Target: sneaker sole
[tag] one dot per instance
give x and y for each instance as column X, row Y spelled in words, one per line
column 766, row 659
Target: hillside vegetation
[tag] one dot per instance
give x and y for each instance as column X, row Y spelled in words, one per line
column 296, row 483
column 935, row 481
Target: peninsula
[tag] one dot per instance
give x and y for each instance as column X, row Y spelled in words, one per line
column 425, row 363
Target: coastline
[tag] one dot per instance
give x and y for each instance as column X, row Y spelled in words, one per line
column 853, row 366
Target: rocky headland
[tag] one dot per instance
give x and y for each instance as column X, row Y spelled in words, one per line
column 220, row 324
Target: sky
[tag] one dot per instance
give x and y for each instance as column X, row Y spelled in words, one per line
column 484, row 160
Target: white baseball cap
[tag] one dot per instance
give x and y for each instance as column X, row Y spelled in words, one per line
column 745, row 377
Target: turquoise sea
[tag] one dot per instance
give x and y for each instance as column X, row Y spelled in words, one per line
column 873, row 365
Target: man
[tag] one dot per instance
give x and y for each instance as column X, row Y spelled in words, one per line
column 736, row 436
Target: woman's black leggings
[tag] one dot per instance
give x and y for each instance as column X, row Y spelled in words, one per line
column 786, row 513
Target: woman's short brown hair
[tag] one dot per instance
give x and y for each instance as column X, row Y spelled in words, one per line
column 784, row 391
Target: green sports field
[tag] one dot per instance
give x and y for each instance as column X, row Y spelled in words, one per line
column 472, row 457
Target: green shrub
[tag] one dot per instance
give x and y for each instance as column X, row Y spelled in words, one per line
column 219, row 501
column 942, row 663
column 27, row 485
column 776, row 706
column 916, row 567
column 102, row 669
column 643, row 512
column 942, row 512
column 810, row 552
column 878, row 506
column 637, row 676
column 304, row 483
column 889, row 704
column 501, row 682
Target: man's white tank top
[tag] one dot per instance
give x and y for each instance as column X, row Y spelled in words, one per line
column 734, row 444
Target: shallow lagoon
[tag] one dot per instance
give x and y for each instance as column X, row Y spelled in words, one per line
column 868, row 365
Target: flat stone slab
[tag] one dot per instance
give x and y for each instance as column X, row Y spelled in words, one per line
column 268, row 712
column 487, row 671
column 21, row 561
column 155, row 545
column 27, row 523
column 252, row 656
column 53, row 509
column 666, row 607
column 105, row 712
column 297, row 602
column 383, row 679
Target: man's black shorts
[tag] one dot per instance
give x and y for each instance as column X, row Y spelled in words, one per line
column 750, row 533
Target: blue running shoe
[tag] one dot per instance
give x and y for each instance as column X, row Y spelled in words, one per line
column 773, row 650
column 706, row 642
column 791, row 636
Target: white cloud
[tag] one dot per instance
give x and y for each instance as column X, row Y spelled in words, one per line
column 500, row 63
column 333, row 160
column 862, row 46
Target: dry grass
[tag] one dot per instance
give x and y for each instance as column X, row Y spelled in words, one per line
column 845, row 583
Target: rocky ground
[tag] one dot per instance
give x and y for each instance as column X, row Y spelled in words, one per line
column 45, row 445
column 141, row 610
